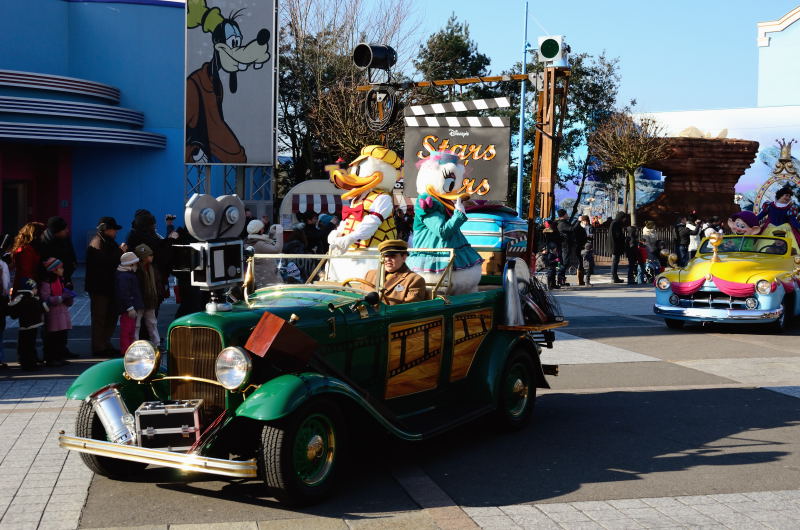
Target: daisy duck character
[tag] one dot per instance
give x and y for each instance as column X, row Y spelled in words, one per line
column 368, row 182
column 438, row 216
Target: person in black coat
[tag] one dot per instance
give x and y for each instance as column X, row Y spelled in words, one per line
column 102, row 258
column 565, row 229
column 580, row 238
column 617, row 231
column 29, row 310
column 682, row 237
column 56, row 243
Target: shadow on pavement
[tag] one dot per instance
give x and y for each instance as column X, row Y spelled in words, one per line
column 640, row 443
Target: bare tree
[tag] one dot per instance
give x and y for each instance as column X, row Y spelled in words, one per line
column 626, row 144
column 316, row 105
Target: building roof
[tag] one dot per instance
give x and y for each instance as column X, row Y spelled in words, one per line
column 775, row 26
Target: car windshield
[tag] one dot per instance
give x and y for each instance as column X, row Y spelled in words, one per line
column 762, row 245
column 267, row 270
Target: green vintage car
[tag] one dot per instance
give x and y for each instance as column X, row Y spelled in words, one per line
column 267, row 389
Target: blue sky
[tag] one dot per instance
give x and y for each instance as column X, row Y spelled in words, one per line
column 674, row 54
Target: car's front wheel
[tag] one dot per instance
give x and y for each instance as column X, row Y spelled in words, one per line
column 780, row 325
column 517, row 392
column 299, row 456
column 88, row 425
column 673, row 323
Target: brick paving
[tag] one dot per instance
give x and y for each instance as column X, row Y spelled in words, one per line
column 45, row 487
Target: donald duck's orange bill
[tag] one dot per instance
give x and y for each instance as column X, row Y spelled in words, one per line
column 355, row 184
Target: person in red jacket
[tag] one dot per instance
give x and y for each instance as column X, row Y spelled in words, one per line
column 26, row 254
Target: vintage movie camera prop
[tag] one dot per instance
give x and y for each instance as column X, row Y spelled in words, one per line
column 216, row 260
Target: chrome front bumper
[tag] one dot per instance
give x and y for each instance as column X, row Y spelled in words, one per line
column 158, row 457
column 704, row 314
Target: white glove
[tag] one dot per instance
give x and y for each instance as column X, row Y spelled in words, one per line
column 131, row 313
column 460, row 206
column 343, row 242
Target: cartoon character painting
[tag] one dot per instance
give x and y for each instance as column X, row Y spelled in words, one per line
column 209, row 138
column 438, row 216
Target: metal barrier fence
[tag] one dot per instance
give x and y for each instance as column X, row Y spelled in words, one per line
column 603, row 245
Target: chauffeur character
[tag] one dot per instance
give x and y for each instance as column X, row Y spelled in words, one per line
column 400, row 285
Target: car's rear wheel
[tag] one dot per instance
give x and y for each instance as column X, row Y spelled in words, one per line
column 673, row 323
column 517, row 392
column 300, row 455
column 88, row 425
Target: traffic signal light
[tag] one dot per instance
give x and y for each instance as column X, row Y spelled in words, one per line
column 553, row 50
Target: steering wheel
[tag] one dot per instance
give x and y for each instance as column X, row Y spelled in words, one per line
column 358, row 280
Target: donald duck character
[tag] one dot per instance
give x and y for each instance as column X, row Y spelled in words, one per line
column 368, row 220
column 438, row 216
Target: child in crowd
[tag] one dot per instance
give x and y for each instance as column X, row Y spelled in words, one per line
column 587, row 256
column 29, row 310
column 149, row 287
column 5, row 285
column 129, row 299
column 548, row 261
column 57, row 320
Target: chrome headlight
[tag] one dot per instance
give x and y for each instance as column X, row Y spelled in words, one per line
column 750, row 303
column 663, row 283
column 141, row 360
column 233, row 367
column 763, row 287
column 674, row 299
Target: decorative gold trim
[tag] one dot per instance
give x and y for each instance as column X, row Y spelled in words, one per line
column 474, row 353
column 437, row 318
column 188, row 378
column 158, row 457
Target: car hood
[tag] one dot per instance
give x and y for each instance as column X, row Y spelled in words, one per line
column 309, row 303
column 742, row 267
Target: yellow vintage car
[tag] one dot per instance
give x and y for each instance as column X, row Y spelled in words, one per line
column 733, row 278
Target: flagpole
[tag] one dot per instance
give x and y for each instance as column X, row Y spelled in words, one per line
column 522, row 116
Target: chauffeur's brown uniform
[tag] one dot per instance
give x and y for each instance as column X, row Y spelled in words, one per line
column 401, row 286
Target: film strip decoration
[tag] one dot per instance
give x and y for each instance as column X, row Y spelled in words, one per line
column 452, row 121
column 469, row 331
column 414, row 361
column 458, row 106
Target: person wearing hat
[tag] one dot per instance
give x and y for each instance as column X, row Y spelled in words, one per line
column 266, row 270
column 57, row 319
column 102, row 258
column 400, row 284
column 128, row 298
column 56, row 243
column 151, row 295
column 368, row 183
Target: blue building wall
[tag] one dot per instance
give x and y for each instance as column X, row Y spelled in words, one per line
column 137, row 48
column 778, row 74
column 34, row 36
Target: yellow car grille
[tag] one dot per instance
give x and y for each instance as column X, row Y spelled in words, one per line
column 193, row 351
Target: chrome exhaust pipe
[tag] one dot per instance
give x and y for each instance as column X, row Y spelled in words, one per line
column 513, row 313
column 114, row 415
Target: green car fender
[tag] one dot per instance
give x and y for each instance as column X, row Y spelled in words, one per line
column 508, row 342
column 107, row 373
column 279, row 397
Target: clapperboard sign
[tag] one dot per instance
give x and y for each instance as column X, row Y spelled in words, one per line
column 482, row 143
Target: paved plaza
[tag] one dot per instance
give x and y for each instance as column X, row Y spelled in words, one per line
column 715, row 464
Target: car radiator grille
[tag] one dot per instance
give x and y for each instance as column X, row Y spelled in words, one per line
column 713, row 300
column 193, row 351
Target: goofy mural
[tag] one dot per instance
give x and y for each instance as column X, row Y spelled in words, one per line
column 209, row 139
